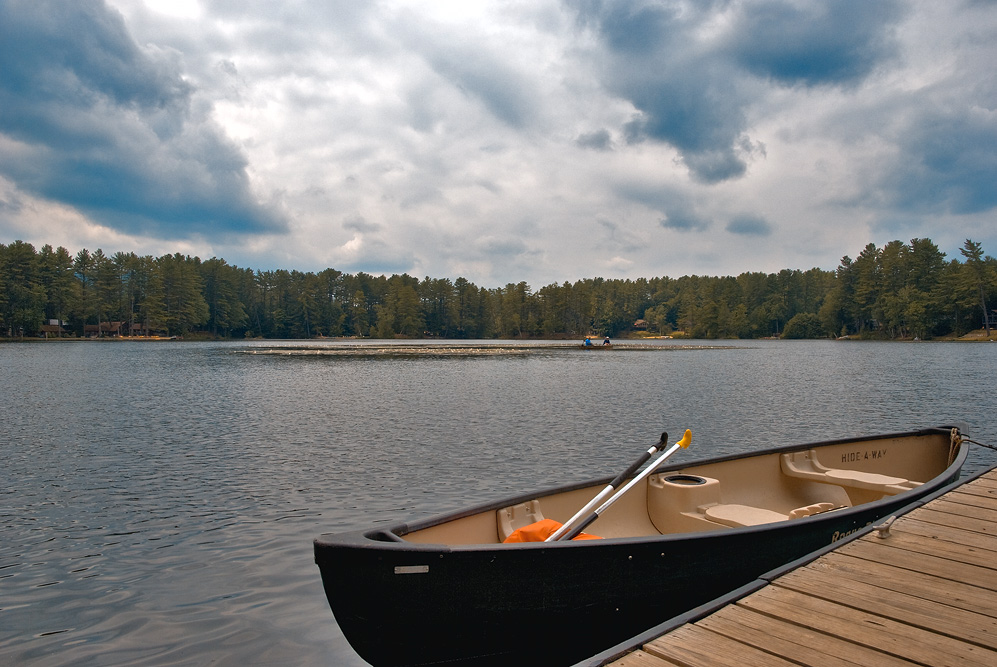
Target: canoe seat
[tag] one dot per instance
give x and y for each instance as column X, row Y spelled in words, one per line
column 510, row 519
column 804, row 465
column 742, row 515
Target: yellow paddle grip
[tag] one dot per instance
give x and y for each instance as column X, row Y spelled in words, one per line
column 686, row 439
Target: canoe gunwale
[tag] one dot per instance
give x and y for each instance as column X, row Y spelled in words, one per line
column 396, row 532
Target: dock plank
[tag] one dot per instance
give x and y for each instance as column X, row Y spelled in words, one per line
column 960, row 509
column 988, row 500
column 919, row 562
column 924, row 613
column 970, row 495
column 793, row 642
column 963, row 552
column 867, row 629
column 641, row 659
column 986, row 482
column 693, row 646
column 956, row 521
column 978, row 491
column 954, row 594
column 937, row 531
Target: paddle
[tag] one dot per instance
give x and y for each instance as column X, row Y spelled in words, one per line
column 556, row 535
column 579, row 527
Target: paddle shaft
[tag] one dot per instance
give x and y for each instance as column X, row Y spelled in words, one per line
column 579, row 527
column 634, row 467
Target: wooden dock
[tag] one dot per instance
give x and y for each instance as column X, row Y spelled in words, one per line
column 923, row 593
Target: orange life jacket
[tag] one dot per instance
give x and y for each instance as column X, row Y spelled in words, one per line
column 540, row 531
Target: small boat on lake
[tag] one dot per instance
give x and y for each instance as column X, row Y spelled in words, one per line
column 451, row 590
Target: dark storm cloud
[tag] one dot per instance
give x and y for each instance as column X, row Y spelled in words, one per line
column 693, row 93
column 599, row 140
column 112, row 129
column 685, row 97
column 630, row 28
column 749, row 225
column 682, row 219
column 676, row 209
column 948, row 163
column 827, row 42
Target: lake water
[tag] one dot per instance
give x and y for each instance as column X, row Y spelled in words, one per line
column 158, row 501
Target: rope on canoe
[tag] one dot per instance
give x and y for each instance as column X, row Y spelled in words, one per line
column 981, row 444
column 956, row 438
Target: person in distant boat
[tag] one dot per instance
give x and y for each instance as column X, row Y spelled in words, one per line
column 606, row 342
column 588, row 342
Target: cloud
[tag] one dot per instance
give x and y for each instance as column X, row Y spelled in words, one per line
column 359, row 224
column 632, row 28
column 675, row 209
column 683, row 66
column 115, row 130
column 683, row 220
column 476, row 66
column 620, row 238
column 375, row 257
column 599, row 140
column 535, row 141
column 749, row 225
column 823, row 43
column 497, row 247
column 685, row 95
column 10, row 202
column 947, row 162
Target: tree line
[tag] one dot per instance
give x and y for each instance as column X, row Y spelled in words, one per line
column 902, row 290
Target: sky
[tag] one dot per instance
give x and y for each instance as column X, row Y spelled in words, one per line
column 529, row 140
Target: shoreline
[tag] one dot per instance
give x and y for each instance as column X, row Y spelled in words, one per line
column 977, row 336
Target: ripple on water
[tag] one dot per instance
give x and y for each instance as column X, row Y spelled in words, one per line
column 158, row 502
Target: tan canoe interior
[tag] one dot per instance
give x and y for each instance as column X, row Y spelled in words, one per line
column 741, row 492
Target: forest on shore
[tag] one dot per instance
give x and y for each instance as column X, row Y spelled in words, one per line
column 902, row 290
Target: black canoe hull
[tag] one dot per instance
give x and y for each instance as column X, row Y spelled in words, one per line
column 401, row 603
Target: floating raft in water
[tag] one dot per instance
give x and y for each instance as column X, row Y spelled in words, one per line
column 457, row 349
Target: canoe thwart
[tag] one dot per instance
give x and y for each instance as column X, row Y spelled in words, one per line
column 804, row 465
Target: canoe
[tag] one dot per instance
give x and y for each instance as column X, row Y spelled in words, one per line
column 448, row 590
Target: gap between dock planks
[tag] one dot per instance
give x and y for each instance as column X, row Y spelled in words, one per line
column 926, row 594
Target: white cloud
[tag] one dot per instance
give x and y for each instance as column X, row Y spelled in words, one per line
column 526, row 140
column 182, row 9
